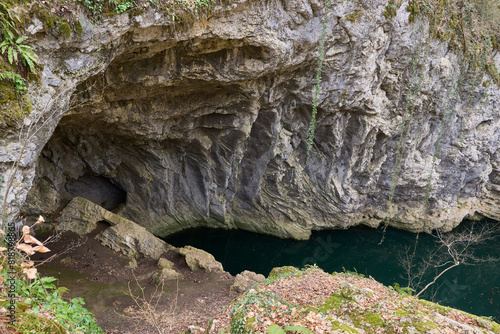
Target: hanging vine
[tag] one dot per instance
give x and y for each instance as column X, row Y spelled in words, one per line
column 312, row 124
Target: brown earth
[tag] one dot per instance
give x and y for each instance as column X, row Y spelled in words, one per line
column 101, row 277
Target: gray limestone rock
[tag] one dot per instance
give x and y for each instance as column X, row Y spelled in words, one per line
column 166, row 274
column 205, row 123
column 198, row 259
column 164, row 263
column 132, row 240
column 81, row 216
column 246, row 280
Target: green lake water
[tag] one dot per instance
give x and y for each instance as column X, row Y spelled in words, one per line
column 471, row 288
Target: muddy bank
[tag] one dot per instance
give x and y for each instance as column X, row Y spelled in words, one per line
column 103, row 277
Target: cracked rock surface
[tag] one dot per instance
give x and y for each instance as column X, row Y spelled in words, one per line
column 205, row 123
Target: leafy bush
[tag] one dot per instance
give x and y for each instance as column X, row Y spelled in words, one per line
column 40, row 305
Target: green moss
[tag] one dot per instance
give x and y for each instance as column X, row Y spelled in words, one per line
column 423, row 326
column 401, row 313
column 333, row 302
column 78, row 29
column 46, row 17
column 465, row 29
column 374, row 319
column 65, row 29
column 443, row 310
column 353, row 16
column 14, row 105
column 391, row 10
column 337, row 325
column 282, row 271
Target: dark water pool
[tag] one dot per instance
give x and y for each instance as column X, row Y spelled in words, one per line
column 472, row 288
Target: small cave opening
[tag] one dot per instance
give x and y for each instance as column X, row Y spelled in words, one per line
column 99, row 190
column 100, row 227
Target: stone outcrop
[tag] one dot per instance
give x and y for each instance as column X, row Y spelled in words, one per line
column 81, row 216
column 164, row 275
column 205, row 123
column 198, row 259
column 246, row 280
column 132, row 240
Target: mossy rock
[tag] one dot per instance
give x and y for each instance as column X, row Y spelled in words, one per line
column 46, row 17
column 78, row 29
column 14, row 106
column 65, row 29
column 282, row 271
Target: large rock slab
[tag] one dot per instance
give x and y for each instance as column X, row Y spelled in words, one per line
column 81, row 216
column 132, row 240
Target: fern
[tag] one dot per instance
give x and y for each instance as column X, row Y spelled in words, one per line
column 15, row 50
column 15, row 78
column 7, row 22
column 275, row 329
column 298, row 329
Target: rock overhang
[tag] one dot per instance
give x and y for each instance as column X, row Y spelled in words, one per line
column 206, row 124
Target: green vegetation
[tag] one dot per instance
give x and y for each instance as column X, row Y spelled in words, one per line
column 17, row 62
column 276, row 329
column 472, row 27
column 312, row 124
column 178, row 10
column 65, row 29
column 42, row 298
column 20, row 54
column 39, row 304
column 357, row 304
column 392, row 9
column 78, row 29
column 240, row 323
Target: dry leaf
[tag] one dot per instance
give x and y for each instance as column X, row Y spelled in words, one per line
column 3, row 249
column 31, row 273
column 31, row 240
column 26, row 230
column 26, row 248
column 41, row 249
column 40, row 220
column 27, row 264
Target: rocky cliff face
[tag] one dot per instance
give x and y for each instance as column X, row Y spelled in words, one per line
column 205, row 123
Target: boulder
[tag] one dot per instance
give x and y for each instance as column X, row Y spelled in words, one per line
column 282, row 271
column 245, row 280
column 164, row 263
column 81, row 216
column 165, row 275
column 198, row 259
column 132, row 240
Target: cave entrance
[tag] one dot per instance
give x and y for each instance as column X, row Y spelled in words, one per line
column 99, row 190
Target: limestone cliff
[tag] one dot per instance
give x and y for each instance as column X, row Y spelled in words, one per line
column 205, row 122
